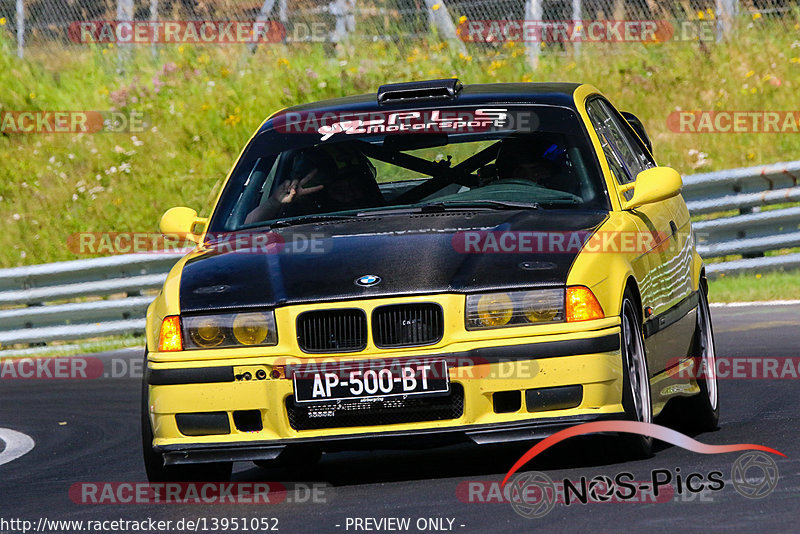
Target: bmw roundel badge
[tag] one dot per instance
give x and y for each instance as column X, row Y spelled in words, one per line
column 368, row 280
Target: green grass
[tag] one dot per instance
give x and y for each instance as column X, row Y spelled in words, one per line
column 203, row 103
column 749, row 287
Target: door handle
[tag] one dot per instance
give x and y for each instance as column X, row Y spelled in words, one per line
column 673, row 227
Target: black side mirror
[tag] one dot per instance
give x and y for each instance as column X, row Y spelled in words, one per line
column 638, row 127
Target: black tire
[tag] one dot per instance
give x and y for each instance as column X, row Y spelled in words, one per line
column 636, row 397
column 701, row 411
column 154, row 462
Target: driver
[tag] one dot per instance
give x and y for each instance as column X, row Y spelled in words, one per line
column 313, row 164
column 322, row 180
column 527, row 158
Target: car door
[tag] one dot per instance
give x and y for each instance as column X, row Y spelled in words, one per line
column 662, row 288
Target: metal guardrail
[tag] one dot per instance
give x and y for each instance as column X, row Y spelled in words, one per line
column 751, row 232
column 37, row 297
column 64, row 301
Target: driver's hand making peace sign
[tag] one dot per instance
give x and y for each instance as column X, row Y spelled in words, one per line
column 286, row 193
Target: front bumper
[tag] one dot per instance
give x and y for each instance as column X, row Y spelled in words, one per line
column 589, row 360
column 486, row 434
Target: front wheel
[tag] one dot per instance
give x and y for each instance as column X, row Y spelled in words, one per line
column 636, row 380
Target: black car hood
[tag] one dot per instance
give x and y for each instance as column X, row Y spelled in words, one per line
column 412, row 254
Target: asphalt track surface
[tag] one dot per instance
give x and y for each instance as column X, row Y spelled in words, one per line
column 88, row 431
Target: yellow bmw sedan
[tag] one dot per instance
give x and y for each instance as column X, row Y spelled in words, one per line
column 430, row 264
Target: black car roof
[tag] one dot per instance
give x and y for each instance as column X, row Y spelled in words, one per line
column 554, row 94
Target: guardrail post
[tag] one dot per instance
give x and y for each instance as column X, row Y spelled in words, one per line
column 533, row 12
column 439, row 18
column 124, row 13
column 726, row 12
column 20, row 28
column 263, row 16
column 576, row 20
column 154, row 18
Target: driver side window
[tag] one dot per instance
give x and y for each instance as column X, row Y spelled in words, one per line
column 620, row 149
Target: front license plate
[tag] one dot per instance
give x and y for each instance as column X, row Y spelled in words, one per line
column 362, row 381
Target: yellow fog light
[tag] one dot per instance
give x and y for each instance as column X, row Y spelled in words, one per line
column 495, row 309
column 250, row 328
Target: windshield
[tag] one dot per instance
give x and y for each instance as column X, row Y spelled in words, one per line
column 506, row 157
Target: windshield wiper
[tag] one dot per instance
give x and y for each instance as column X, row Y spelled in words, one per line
column 447, row 204
column 310, row 219
column 491, row 204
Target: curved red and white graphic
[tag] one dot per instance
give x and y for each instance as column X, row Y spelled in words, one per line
column 633, row 427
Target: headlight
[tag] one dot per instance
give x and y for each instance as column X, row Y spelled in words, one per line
column 515, row 308
column 229, row 330
column 251, row 328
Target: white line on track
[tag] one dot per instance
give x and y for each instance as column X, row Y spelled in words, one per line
column 756, row 303
column 17, row 444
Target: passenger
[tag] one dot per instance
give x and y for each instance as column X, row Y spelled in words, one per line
column 528, row 158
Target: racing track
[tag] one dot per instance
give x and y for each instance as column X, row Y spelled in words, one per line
column 87, row 430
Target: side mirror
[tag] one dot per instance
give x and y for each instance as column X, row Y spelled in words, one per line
column 638, row 127
column 182, row 221
column 653, row 185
